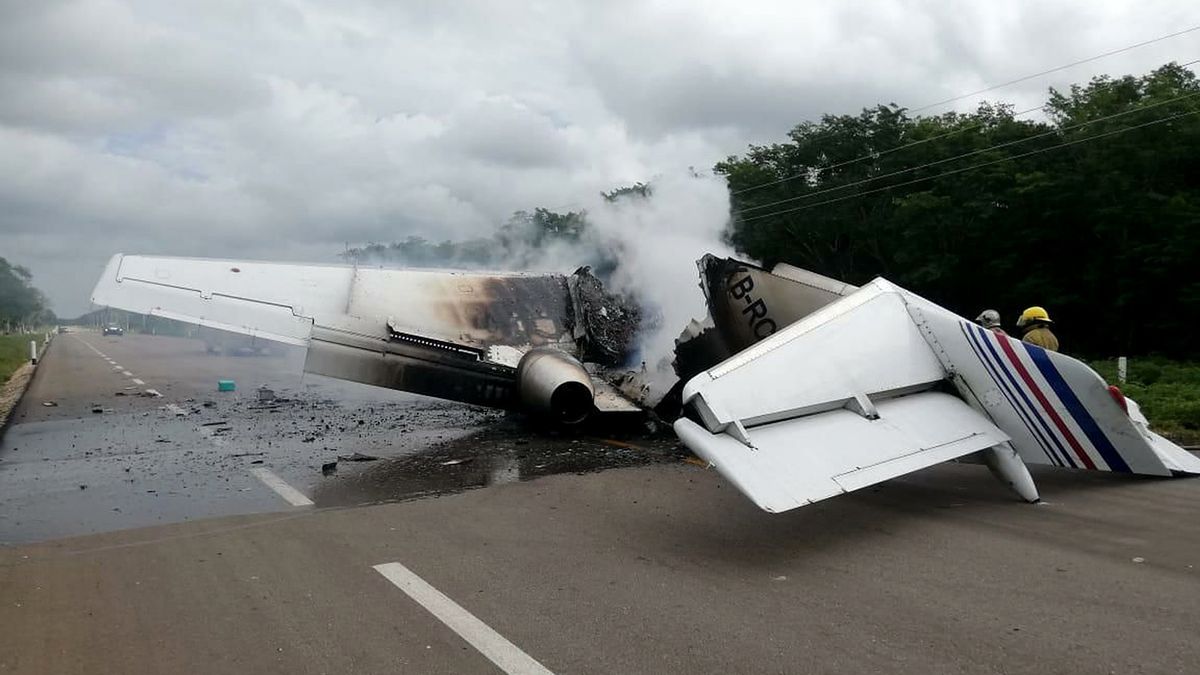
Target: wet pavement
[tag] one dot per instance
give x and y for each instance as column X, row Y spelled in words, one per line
column 137, row 434
column 653, row 565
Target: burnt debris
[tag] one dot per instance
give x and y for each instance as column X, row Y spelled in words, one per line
column 606, row 325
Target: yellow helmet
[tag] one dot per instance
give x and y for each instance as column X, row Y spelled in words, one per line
column 1033, row 314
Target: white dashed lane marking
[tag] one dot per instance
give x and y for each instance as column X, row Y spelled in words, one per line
column 126, row 373
column 290, row 494
column 507, row 656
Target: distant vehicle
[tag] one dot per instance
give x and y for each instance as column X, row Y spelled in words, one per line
column 62, row 329
column 113, row 330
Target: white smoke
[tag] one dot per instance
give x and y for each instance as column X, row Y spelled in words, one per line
column 657, row 241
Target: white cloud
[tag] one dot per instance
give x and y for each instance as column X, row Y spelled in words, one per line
column 286, row 128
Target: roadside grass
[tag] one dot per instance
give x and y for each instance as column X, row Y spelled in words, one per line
column 14, row 352
column 1168, row 391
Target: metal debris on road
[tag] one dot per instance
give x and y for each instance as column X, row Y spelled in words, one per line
column 357, row 457
column 50, row 404
column 328, row 468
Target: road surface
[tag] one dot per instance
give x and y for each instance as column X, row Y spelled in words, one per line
column 651, row 567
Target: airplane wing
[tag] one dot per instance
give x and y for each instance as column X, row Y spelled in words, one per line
column 881, row 383
column 449, row 334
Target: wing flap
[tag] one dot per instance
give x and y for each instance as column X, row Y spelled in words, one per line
column 799, row 461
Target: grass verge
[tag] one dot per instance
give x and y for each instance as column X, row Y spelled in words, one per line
column 1168, row 391
column 14, row 352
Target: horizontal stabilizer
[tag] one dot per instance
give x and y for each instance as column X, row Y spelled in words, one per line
column 799, row 461
column 270, row 300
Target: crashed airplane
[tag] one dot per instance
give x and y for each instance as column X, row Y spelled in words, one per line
column 796, row 387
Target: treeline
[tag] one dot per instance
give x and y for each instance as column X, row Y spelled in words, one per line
column 22, row 307
column 516, row 244
column 1088, row 206
column 525, row 240
column 1093, row 213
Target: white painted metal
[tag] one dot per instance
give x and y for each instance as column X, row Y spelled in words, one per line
column 790, row 421
column 1006, row 464
column 862, row 344
column 33, row 352
column 799, row 461
column 273, row 300
column 1122, row 369
column 813, row 279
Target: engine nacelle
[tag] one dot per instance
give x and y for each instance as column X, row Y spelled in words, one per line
column 556, row 385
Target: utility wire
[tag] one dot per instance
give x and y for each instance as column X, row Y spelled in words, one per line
column 973, row 166
column 1055, row 70
column 875, row 155
column 900, row 172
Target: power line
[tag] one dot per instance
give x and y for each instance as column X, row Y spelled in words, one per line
column 875, row 155
column 1055, row 70
column 973, row 166
column 964, row 155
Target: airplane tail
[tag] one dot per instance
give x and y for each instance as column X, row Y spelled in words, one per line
column 882, row 383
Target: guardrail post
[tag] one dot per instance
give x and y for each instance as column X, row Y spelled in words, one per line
column 33, row 352
column 1122, row 368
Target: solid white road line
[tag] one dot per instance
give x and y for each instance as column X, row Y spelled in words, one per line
column 290, row 494
column 507, row 656
column 154, row 392
column 138, row 382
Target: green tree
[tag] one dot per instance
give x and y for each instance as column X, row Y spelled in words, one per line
column 20, row 303
column 983, row 209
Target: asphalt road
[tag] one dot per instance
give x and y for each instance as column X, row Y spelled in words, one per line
column 651, row 567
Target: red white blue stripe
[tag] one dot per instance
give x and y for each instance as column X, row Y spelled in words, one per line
column 1043, row 400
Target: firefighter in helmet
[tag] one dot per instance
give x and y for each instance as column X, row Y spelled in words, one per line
column 990, row 319
column 1035, row 328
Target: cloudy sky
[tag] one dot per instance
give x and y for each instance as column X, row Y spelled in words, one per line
column 284, row 129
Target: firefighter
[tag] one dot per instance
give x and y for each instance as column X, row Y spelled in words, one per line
column 990, row 319
column 1035, row 328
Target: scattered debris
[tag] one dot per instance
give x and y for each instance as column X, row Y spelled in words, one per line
column 119, row 393
column 328, row 468
column 98, row 410
column 248, row 454
column 256, row 461
column 1139, row 559
column 454, row 462
column 50, row 404
column 265, row 394
column 357, row 457
column 82, row 487
column 226, row 385
column 214, row 424
column 207, row 404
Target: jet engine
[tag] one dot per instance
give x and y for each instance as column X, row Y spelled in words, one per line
column 556, row 385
